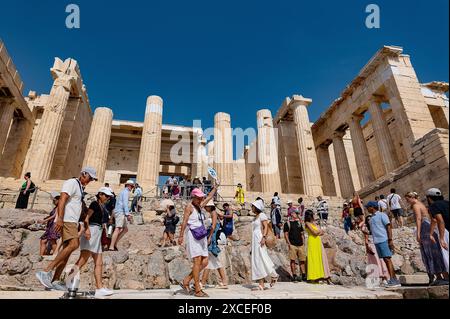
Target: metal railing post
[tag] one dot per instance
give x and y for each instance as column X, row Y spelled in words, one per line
column 34, row 197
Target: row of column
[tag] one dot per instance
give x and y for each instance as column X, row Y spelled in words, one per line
column 365, row 170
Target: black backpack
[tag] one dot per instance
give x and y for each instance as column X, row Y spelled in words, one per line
column 32, row 188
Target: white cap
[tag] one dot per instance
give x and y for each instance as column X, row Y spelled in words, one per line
column 91, row 171
column 130, row 182
column 289, row 202
column 106, row 191
column 434, row 192
column 259, row 204
column 55, row 194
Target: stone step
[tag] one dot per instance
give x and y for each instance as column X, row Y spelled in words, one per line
column 440, row 292
column 414, row 280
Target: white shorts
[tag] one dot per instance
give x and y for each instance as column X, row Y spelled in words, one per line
column 94, row 245
column 217, row 262
column 120, row 220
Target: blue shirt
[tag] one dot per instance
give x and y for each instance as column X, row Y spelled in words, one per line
column 122, row 202
column 378, row 224
column 138, row 192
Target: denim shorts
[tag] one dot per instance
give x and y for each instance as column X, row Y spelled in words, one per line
column 383, row 250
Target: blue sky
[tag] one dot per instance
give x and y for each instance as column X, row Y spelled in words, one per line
column 204, row 57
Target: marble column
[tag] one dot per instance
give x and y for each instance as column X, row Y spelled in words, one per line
column 309, row 165
column 6, row 117
column 97, row 147
column 326, row 170
column 223, row 150
column 268, row 153
column 363, row 164
column 150, row 153
column 383, row 137
column 44, row 144
column 343, row 168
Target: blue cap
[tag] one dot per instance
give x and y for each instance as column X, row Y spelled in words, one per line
column 372, row 204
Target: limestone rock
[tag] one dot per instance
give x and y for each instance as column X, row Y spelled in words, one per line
column 178, row 269
column 398, row 261
column 9, row 247
column 119, row 257
column 157, row 272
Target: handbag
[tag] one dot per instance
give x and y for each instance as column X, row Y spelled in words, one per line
column 271, row 239
column 200, row 232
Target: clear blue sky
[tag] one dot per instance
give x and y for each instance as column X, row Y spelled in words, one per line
column 208, row 56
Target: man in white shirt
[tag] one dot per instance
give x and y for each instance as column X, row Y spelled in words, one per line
column 70, row 208
column 382, row 204
column 395, row 207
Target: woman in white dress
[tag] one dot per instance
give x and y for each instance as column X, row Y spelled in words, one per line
column 262, row 265
column 193, row 230
column 218, row 261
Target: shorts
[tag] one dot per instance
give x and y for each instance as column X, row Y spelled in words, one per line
column 70, row 231
column 120, row 220
column 358, row 212
column 94, row 245
column 323, row 215
column 297, row 253
column 170, row 229
column 397, row 212
column 276, row 230
column 383, row 250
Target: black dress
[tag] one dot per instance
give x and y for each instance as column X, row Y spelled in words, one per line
column 22, row 200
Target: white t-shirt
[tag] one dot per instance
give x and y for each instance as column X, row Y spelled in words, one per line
column 73, row 207
column 394, row 201
column 383, row 205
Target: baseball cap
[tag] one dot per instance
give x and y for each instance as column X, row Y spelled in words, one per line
column 434, row 192
column 198, row 193
column 91, row 171
column 55, row 194
column 372, row 204
column 106, row 191
column 129, row 182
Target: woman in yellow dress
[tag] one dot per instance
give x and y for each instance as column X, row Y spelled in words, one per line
column 240, row 195
column 315, row 268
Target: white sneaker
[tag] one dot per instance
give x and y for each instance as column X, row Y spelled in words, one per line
column 45, row 278
column 103, row 292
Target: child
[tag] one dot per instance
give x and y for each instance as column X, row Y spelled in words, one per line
column 48, row 240
column 170, row 222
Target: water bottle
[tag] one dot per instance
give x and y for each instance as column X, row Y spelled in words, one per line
column 73, row 286
column 110, row 231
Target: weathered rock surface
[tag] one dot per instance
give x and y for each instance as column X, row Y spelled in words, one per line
column 141, row 264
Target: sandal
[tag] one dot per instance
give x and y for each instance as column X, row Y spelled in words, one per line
column 186, row 289
column 221, row 286
column 273, row 281
column 201, row 294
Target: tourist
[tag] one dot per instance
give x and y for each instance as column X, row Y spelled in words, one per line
column 276, row 199
column 439, row 210
column 48, row 244
column 295, row 238
column 347, row 218
column 188, row 188
column 170, row 182
column 170, row 222
column 135, row 204
column 380, row 268
column 121, row 215
column 430, row 250
column 69, row 211
column 216, row 254
column 275, row 218
column 291, row 209
column 109, row 208
column 27, row 188
column 381, row 230
column 193, row 229
column 395, row 207
column 316, row 264
column 90, row 243
column 176, row 191
column 382, row 204
column 240, row 195
column 262, row 265
column 357, row 206
column 322, row 210
column 227, row 221
column 301, row 209
column 207, row 185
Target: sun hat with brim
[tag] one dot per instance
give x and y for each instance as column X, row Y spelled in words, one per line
column 91, row 171
column 106, row 191
column 197, row 193
column 372, row 204
column 259, row 204
column 434, row 192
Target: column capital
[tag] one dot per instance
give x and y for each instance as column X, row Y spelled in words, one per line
column 299, row 100
column 338, row 134
column 376, row 99
column 356, row 118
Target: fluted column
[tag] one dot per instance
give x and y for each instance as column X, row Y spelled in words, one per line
column 309, row 165
column 365, row 170
column 326, row 170
column 44, row 144
column 383, row 137
column 343, row 168
column 97, row 146
column 268, row 153
column 223, row 150
column 150, row 153
column 6, row 117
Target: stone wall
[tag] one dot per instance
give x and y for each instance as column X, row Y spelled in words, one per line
column 428, row 168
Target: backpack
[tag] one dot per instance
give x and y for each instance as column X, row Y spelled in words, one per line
column 176, row 220
column 32, row 188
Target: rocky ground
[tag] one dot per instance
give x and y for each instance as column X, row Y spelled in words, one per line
column 140, row 264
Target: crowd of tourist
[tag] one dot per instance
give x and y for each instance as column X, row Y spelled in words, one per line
column 206, row 231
